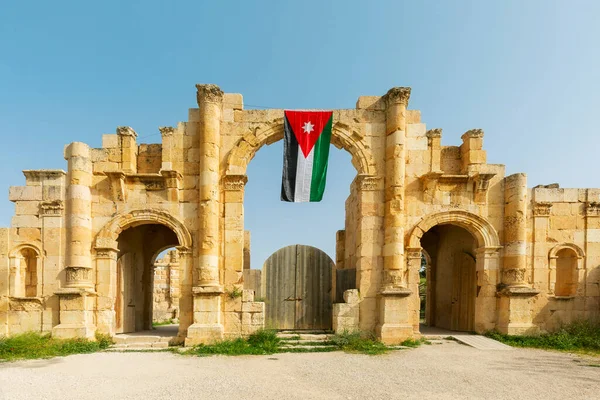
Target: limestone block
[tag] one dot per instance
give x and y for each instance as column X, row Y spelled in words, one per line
column 253, row 307
column 25, row 221
column 370, row 103
column 27, row 207
column 110, row 141
column 416, row 131
column 593, row 235
column 416, row 143
column 413, row 116
column 248, row 295
column 25, row 193
column 351, row 296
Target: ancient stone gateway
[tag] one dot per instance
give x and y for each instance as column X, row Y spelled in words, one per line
column 77, row 257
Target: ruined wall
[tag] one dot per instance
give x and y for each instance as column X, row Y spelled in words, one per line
column 166, row 288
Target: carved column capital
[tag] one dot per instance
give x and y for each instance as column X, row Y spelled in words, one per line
column 79, row 277
column 208, row 93
column 166, row 130
column 592, row 209
column 398, row 95
column 542, row 209
column 234, row 182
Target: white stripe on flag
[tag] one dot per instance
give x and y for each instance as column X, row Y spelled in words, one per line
column 304, row 168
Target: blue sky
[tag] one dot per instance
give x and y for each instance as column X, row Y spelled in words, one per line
column 527, row 72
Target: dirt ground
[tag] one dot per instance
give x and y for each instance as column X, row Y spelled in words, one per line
column 444, row 371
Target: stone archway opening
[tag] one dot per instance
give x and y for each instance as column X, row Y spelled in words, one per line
column 449, row 260
column 138, row 248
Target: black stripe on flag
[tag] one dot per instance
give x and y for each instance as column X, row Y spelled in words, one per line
column 290, row 161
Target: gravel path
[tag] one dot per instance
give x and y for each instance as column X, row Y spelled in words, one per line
column 445, row 371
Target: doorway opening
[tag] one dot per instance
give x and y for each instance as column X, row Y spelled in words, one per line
column 140, row 247
column 448, row 278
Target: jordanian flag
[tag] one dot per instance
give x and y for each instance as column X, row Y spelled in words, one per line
column 306, row 139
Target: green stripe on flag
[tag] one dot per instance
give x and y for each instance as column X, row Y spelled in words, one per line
column 321, row 156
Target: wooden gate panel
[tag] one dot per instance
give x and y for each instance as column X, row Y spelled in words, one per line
column 297, row 285
column 280, row 288
column 313, row 289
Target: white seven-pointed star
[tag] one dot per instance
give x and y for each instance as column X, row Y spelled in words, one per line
column 308, row 127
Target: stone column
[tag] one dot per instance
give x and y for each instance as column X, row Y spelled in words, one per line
column 395, row 311
column 515, row 304
column 515, row 233
column 210, row 98
column 207, row 325
column 76, row 301
column 395, row 164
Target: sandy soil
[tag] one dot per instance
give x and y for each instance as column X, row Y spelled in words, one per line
column 445, row 371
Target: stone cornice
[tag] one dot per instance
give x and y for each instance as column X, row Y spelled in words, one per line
column 397, row 95
column 592, row 209
column 126, row 131
column 208, row 93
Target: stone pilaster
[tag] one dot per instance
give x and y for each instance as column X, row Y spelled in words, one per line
column 127, row 142
column 395, row 164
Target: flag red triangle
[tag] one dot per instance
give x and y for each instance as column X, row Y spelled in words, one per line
column 307, row 127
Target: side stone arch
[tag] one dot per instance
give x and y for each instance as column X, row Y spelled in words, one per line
column 342, row 137
column 18, row 265
column 107, row 237
column 480, row 228
column 487, row 261
column 571, row 246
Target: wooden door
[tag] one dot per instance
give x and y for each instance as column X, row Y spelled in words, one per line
column 125, row 301
column 463, row 292
column 298, row 288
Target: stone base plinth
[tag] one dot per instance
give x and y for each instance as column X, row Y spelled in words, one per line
column 515, row 316
column 70, row 331
column 203, row 333
column 207, row 326
column 395, row 324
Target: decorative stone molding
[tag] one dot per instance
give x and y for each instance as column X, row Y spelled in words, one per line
column 342, row 137
column 107, row 253
column 542, row 209
column 482, row 184
column 481, row 229
column 592, row 209
column 398, row 95
column 166, row 130
column 38, row 175
column 394, row 278
column 234, row 182
column 172, row 178
column 126, row 131
column 208, row 93
column 117, row 183
column 110, row 232
column 51, row 208
column 369, row 183
column 25, row 304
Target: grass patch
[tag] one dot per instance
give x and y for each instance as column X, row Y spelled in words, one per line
column 414, row 342
column 259, row 343
column 165, row 322
column 32, row 345
column 357, row 342
column 580, row 336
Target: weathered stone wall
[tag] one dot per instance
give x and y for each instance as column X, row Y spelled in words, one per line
column 193, row 183
column 166, row 288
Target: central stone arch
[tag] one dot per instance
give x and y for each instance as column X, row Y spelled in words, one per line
column 342, row 137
